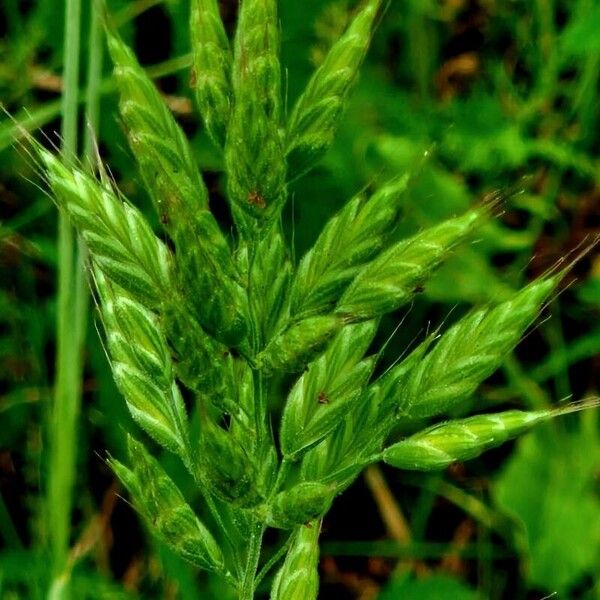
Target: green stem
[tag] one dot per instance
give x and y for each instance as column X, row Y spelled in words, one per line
column 73, row 297
column 254, row 546
column 68, row 360
column 273, row 561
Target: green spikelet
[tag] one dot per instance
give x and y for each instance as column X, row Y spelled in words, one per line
column 269, row 277
column 441, row 445
column 298, row 578
column 226, row 467
column 211, row 71
column 361, row 433
column 206, row 274
column 348, row 241
column 201, row 363
column 142, row 367
column 471, row 351
column 313, row 122
column 390, row 280
column 299, row 505
column 119, row 239
column 254, row 155
column 209, row 281
column 158, row 143
column 327, row 392
column 166, row 512
column 300, row 343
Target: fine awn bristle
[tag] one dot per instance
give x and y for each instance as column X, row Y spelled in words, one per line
column 285, row 404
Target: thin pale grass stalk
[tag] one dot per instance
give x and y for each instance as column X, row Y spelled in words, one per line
column 73, row 299
column 68, row 360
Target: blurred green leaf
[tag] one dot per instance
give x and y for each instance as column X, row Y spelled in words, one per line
column 436, row 587
column 548, row 486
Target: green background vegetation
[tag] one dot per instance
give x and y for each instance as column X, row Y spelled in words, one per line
column 504, row 96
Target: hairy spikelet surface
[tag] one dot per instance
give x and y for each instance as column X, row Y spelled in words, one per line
column 298, row 579
column 441, row 445
column 469, row 352
column 119, row 238
column 254, row 155
column 328, row 391
column 206, row 274
column 142, row 366
column 389, row 281
column 168, row 515
column 348, row 241
column 158, row 143
column 211, row 74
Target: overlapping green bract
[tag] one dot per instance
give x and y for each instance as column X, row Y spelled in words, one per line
column 441, row 445
column 142, row 366
column 356, row 234
column 205, row 271
column 164, row 509
column 254, row 154
column 328, row 391
column 389, row 281
column 470, row 351
column 211, row 72
column 122, row 243
column 229, row 319
column 298, row 578
column 313, row 122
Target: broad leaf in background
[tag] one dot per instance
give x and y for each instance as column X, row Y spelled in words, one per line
column 436, row 587
column 548, row 486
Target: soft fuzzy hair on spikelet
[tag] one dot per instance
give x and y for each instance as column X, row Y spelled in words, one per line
column 299, row 505
column 313, row 121
column 168, row 516
column 298, row 578
column 350, row 239
column 122, row 243
column 201, row 362
column 298, row 345
column 269, row 279
column 142, row 367
column 254, row 157
column 470, row 351
column 211, row 72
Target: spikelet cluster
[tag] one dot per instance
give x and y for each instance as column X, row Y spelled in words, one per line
column 274, row 357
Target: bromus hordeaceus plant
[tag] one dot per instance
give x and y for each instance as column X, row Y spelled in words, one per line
column 230, row 317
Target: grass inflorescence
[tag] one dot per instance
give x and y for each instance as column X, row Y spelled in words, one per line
column 288, row 406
